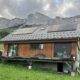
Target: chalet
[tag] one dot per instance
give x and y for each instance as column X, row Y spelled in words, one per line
column 49, row 43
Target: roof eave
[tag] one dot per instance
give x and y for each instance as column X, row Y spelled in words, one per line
column 42, row 40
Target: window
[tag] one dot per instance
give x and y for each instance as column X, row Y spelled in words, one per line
column 12, row 50
column 36, row 46
column 63, row 50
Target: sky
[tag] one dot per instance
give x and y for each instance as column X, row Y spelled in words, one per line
column 21, row 8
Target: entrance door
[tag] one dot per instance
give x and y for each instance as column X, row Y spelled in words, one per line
column 13, row 50
column 60, row 67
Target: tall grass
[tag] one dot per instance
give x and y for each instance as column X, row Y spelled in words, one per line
column 18, row 72
column 1, row 47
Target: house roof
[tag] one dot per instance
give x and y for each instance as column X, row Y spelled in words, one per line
column 59, row 31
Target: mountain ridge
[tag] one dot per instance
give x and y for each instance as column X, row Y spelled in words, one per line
column 36, row 19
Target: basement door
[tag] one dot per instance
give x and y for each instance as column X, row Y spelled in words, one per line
column 12, row 50
column 60, row 67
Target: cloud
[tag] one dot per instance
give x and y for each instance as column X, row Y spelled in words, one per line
column 67, row 6
column 1, row 16
column 7, row 15
column 70, row 8
column 21, row 8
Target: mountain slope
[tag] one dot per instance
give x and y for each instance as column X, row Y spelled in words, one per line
column 36, row 19
column 6, row 23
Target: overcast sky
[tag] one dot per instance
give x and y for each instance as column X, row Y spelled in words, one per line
column 21, row 8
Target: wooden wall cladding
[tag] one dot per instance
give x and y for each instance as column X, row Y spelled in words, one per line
column 74, row 49
column 48, row 50
column 25, row 51
column 5, row 50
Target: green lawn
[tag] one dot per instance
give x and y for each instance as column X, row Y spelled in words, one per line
column 18, row 72
column 1, row 47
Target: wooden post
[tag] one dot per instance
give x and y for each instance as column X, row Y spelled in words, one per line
column 73, row 67
column 77, row 57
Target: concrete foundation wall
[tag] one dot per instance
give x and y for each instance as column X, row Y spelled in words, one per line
column 52, row 66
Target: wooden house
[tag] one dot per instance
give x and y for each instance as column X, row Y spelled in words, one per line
column 54, row 43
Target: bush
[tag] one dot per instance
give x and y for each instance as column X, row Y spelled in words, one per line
column 0, row 53
column 3, row 34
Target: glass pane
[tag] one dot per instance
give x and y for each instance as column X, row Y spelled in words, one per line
column 41, row 46
column 12, row 50
column 63, row 50
column 36, row 46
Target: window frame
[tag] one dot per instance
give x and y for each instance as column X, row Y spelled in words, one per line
column 56, row 51
column 17, row 47
column 37, row 46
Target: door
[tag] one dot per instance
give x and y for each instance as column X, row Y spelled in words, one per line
column 60, row 67
column 13, row 50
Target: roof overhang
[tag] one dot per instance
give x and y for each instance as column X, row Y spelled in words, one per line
column 43, row 41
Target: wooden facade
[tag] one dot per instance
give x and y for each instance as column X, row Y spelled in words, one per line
column 48, row 50
column 24, row 50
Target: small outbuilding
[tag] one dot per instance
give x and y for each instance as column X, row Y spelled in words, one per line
column 51, row 43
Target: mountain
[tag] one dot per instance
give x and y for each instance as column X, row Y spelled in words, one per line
column 32, row 19
column 36, row 19
column 6, row 23
column 3, row 22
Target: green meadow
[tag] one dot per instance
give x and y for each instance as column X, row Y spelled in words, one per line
column 1, row 47
column 19, row 72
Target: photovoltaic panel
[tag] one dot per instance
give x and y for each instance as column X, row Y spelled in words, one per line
column 28, row 30
column 62, row 27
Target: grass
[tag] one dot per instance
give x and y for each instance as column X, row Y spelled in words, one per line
column 1, row 47
column 18, row 72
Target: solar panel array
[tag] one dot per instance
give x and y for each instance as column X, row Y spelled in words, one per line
column 28, row 30
column 62, row 27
